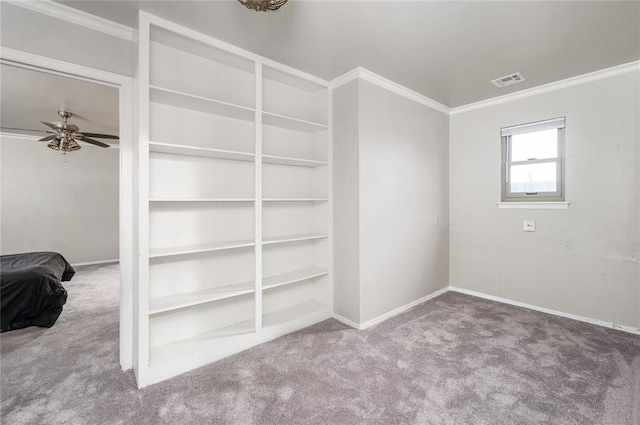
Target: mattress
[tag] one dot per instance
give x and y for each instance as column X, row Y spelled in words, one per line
column 31, row 291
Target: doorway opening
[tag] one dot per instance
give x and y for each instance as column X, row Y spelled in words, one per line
column 114, row 229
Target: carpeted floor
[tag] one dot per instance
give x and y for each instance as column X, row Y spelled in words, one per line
column 453, row 360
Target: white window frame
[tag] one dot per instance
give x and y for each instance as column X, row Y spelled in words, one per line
column 506, row 133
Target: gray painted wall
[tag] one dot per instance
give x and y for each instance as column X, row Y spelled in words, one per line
column 48, row 205
column 33, row 32
column 404, row 202
column 395, row 169
column 584, row 260
column 346, row 202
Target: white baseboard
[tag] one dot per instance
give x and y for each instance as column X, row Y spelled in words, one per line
column 346, row 321
column 404, row 308
column 623, row 328
column 91, row 263
column 389, row 314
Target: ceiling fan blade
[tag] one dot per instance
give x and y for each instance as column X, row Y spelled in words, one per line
column 46, row 139
column 93, row 142
column 100, row 136
column 48, row 124
column 25, row 129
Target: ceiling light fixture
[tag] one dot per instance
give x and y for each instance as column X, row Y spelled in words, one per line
column 67, row 145
column 263, row 5
column 64, row 134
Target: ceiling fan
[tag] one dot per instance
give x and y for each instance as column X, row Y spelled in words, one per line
column 64, row 135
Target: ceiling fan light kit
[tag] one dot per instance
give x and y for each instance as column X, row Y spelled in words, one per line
column 263, row 5
column 68, row 145
column 64, row 135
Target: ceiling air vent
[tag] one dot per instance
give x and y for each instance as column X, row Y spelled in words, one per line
column 508, row 80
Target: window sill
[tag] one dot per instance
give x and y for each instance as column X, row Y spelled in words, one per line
column 534, row 205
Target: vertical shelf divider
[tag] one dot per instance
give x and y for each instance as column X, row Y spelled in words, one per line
column 329, row 143
column 258, row 196
column 141, row 293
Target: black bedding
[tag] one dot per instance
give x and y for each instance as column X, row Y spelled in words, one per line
column 31, row 292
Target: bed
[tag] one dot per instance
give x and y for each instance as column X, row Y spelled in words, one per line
column 31, row 291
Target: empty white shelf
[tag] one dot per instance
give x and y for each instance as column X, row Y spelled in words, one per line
column 188, row 346
column 295, row 199
column 192, row 47
column 203, row 200
column 192, row 249
column 299, row 162
column 174, row 149
column 296, row 312
column 283, row 121
column 293, row 238
column 293, row 277
column 199, row 103
column 190, row 299
column 285, row 78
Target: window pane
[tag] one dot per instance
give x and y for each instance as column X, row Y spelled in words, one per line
column 536, row 145
column 533, row 178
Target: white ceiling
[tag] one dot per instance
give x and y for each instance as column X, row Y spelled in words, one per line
column 29, row 96
column 448, row 51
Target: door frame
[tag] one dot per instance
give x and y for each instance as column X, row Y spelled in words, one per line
column 127, row 224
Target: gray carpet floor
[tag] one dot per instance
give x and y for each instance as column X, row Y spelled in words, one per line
column 453, row 360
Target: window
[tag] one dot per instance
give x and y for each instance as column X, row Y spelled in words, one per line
column 532, row 161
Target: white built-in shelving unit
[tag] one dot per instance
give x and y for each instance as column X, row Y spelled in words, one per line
column 234, row 200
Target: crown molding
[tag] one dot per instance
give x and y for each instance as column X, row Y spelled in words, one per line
column 385, row 83
column 9, row 133
column 345, row 78
column 546, row 88
column 364, row 74
column 28, row 60
column 78, row 17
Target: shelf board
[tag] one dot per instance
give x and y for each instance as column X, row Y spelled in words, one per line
column 283, row 121
column 177, row 200
column 292, row 313
column 189, row 346
column 299, row 162
column 282, row 77
column 196, row 151
column 295, row 200
column 199, row 103
column 188, row 45
column 276, row 322
column 293, row 277
column 190, row 299
column 294, row 238
column 203, row 200
column 193, row 249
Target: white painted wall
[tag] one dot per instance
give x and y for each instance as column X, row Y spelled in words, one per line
column 584, row 260
column 400, row 154
column 36, row 33
column 47, row 205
